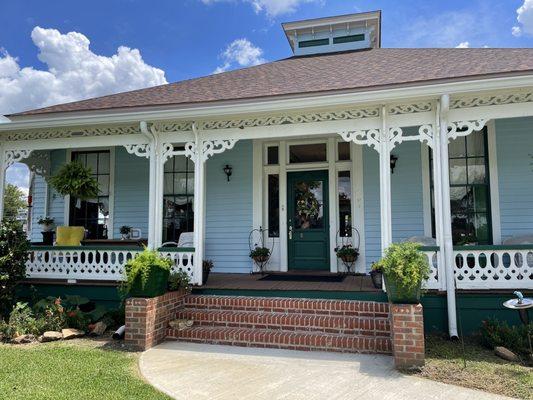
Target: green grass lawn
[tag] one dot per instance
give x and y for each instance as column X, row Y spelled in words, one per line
column 78, row 369
column 483, row 371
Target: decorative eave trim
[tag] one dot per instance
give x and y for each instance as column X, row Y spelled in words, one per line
column 493, row 99
column 71, row 132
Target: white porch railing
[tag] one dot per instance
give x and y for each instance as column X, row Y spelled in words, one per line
column 494, row 267
column 432, row 254
column 95, row 262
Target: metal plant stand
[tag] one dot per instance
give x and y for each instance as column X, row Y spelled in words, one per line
column 346, row 240
column 256, row 238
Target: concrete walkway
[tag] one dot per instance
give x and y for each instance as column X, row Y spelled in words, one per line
column 198, row 371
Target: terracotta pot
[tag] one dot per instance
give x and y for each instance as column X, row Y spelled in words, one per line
column 348, row 258
column 260, row 259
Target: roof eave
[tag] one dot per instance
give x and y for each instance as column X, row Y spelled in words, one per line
column 389, row 93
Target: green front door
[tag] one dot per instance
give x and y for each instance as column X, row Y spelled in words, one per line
column 308, row 220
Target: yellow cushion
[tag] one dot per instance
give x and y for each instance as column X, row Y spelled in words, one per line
column 69, row 235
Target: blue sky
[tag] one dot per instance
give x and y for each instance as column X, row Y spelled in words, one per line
column 179, row 40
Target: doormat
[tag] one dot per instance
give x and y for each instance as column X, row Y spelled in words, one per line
column 303, row 278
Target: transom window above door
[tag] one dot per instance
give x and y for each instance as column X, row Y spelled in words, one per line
column 307, row 153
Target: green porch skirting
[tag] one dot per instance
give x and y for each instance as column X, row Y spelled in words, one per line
column 472, row 308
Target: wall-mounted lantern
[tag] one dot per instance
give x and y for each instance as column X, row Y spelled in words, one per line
column 228, row 170
column 393, row 160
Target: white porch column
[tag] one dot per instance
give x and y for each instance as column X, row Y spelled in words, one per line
column 446, row 215
column 199, row 206
column 385, row 184
column 152, row 203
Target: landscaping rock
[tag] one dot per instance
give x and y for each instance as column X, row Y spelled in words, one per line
column 51, row 336
column 99, row 329
column 181, row 324
column 70, row 333
column 506, row 354
column 24, row 339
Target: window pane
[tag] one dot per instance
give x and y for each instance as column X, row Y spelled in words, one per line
column 103, row 184
column 272, row 155
column 476, row 170
column 459, row 200
column 190, row 183
column 92, row 162
column 456, row 148
column 457, row 171
column 475, row 144
column 480, row 198
column 273, row 205
column 481, row 228
column 180, row 163
column 103, row 163
column 304, row 153
column 169, row 165
column 343, row 148
column 345, row 204
column 180, row 183
column 168, row 187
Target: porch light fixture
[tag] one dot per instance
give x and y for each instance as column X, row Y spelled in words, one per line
column 393, row 160
column 228, row 170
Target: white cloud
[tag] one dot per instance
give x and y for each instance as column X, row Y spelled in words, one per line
column 73, row 72
column 240, row 53
column 272, row 8
column 463, row 45
column 524, row 18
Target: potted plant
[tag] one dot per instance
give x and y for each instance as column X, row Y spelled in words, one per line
column 376, row 273
column 75, row 180
column 125, row 232
column 404, row 268
column 146, row 275
column 347, row 253
column 179, row 281
column 207, row 265
column 47, row 224
column 260, row 254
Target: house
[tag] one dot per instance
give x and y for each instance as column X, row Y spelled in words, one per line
column 344, row 141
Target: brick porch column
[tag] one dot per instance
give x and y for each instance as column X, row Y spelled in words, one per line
column 407, row 329
column 147, row 318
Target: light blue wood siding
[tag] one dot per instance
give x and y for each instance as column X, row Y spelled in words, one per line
column 514, row 148
column 229, row 209
column 407, row 201
column 131, row 192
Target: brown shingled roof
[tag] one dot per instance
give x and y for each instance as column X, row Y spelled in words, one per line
column 356, row 70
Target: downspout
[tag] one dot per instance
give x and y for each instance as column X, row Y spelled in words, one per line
column 447, row 217
column 152, row 183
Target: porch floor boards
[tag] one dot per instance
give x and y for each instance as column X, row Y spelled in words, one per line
column 252, row 282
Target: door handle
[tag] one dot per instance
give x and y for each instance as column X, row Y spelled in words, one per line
column 290, row 232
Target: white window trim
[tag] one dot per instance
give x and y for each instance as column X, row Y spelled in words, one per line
column 493, row 185
column 493, row 182
column 66, row 215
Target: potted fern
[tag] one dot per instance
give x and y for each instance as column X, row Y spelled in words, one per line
column 75, row 180
column 404, row 268
column 146, row 275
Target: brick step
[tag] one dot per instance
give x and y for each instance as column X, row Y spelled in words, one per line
column 281, row 339
column 290, row 305
column 339, row 324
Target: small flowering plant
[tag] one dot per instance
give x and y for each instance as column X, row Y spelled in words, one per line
column 347, row 253
column 260, row 254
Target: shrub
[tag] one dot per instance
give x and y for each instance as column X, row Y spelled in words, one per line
column 13, row 256
column 53, row 313
column 138, row 270
column 495, row 333
column 179, row 280
column 75, row 180
column 406, row 266
column 22, row 321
